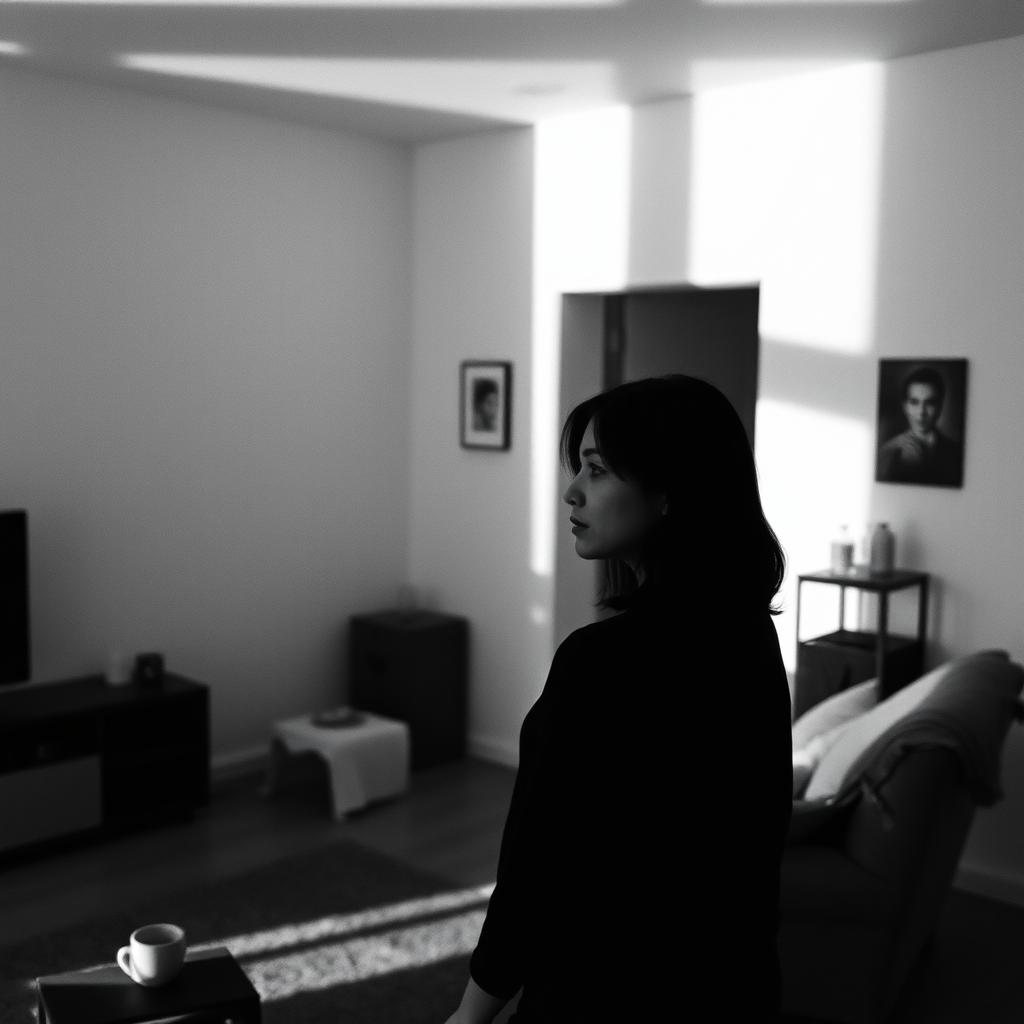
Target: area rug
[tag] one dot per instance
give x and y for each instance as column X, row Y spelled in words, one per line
column 342, row 933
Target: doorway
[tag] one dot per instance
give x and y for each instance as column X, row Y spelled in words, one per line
column 612, row 337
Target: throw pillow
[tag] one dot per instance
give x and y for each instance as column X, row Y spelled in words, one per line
column 818, row 728
column 832, row 769
column 841, row 707
column 807, row 758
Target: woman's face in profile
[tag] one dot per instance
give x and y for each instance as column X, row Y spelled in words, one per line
column 611, row 517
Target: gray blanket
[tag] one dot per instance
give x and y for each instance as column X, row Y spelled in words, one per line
column 968, row 710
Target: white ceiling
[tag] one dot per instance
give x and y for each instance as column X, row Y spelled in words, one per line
column 421, row 69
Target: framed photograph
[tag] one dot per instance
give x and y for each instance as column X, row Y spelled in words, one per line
column 922, row 415
column 486, row 405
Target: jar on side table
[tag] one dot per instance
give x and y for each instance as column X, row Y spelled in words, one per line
column 842, row 551
column 882, row 551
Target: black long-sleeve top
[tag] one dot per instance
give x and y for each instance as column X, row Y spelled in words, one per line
column 639, row 864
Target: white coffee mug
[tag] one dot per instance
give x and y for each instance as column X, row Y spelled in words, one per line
column 155, row 956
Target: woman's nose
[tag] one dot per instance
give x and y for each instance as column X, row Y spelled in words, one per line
column 571, row 496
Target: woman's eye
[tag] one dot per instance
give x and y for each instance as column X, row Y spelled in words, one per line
column 595, row 470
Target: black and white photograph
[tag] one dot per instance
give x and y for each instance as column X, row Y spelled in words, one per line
column 417, row 420
column 922, row 406
column 485, row 388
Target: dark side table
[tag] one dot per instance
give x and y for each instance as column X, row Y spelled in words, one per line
column 834, row 661
column 211, row 989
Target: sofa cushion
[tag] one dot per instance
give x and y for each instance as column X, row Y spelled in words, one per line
column 818, row 728
column 845, row 760
column 807, row 758
column 836, row 710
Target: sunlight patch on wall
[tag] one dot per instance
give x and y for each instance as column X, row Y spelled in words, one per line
column 581, row 243
column 9, row 49
column 480, row 87
column 814, row 470
column 785, row 184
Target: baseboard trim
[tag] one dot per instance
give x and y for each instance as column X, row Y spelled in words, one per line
column 237, row 764
column 995, row 885
column 486, row 748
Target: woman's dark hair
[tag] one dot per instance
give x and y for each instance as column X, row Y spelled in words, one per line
column 680, row 436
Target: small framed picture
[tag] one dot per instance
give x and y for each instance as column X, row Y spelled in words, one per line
column 486, row 404
column 922, row 416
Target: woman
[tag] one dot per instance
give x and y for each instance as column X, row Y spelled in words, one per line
column 639, row 869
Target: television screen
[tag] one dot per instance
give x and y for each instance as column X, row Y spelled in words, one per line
column 15, row 660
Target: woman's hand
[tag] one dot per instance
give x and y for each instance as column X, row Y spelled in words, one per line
column 477, row 1006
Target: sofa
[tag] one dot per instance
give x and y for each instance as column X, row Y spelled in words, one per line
column 884, row 796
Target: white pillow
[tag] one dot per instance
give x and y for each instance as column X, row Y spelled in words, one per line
column 818, row 728
column 835, row 710
column 807, row 758
column 832, row 767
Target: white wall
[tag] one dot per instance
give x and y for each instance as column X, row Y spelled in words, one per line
column 950, row 271
column 470, row 509
column 884, row 216
column 204, row 379
column 580, row 372
column 880, row 209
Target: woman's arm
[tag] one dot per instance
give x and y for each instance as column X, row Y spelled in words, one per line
column 496, row 965
column 477, row 1006
column 510, row 925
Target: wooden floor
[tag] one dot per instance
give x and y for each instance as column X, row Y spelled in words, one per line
column 450, row 824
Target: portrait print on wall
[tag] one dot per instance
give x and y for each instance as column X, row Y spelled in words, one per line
column 922, row 415
column 486, row 404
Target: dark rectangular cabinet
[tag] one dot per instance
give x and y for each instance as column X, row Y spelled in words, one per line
column 412, row 666
column 82, row 757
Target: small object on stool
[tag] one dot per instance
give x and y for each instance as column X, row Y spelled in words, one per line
column 210, row 984
column 338, row 718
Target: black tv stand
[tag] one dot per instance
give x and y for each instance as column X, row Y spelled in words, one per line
column 82, row 758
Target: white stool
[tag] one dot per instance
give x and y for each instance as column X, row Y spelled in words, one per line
column 365, row 762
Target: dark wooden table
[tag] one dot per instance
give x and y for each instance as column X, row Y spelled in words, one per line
column 211, row 988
